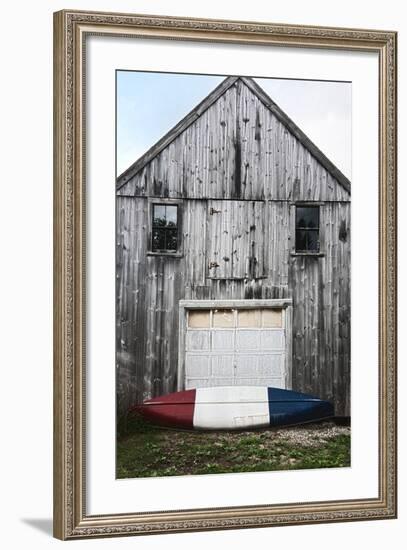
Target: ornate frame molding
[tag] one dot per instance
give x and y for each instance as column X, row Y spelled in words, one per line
column 70, row 30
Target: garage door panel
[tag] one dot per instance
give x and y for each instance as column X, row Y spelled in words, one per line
column 235, row 347
column 191, row 383
column 198, row 340
column 272, row 364
column 197, row 365
column 246, row 365
column 223, row 340
column 259, row 365
column 270, row 381
column 215, row 382
column 272, row 340
column 247, row 340
column 223, row 366
column 251, row 381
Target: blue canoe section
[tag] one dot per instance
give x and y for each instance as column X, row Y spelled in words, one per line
column 288, row 407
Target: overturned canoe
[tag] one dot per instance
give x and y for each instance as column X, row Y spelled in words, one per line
column 234, row 407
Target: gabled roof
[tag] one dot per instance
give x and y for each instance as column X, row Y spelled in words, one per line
column 193, row 115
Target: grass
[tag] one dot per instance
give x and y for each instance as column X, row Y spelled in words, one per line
column 144, row 450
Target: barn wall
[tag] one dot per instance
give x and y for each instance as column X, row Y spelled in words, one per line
column 321, row 312
column 149, row 289
column 238, row 151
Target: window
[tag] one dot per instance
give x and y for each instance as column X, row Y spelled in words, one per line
column 307, row 229
column 164, row 228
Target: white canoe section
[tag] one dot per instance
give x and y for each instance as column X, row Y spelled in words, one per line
column 232, row 407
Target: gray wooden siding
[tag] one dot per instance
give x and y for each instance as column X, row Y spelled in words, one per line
column 235, row 239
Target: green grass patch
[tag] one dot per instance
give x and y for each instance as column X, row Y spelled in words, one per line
column 144, row 450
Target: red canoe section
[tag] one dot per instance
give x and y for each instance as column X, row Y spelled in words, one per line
column 175, row 409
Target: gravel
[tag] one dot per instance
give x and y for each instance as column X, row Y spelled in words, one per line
column 311, row 435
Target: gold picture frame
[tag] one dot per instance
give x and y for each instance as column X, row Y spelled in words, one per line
column 70, row 31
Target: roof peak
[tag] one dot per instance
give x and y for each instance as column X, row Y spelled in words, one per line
column 209, row 100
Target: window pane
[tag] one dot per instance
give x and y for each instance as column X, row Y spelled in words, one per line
column 313, row 241
column 171, row 216
column 159, row 215
column 300, row 240
column 307, row 217
column 307, row 228
column 272, row 318
column 198, row 319
column 223, row 318
column 171, row 240
column 158, row 239
column 164, row 228
column 249, row 318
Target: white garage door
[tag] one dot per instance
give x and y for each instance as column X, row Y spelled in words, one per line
column 235, row 347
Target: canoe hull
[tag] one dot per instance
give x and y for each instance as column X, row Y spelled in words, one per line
column 234, row 408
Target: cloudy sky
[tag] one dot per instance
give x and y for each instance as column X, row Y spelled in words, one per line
column 150, row 104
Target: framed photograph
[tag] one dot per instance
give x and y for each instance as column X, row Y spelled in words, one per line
column 225, row 274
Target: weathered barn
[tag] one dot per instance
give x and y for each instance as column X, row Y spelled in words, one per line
column 233, row 256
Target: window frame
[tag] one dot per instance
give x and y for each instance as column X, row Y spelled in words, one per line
column 321, row 240
column 157, row 201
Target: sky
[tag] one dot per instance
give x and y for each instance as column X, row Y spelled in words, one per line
column 150, row 104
